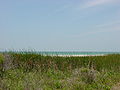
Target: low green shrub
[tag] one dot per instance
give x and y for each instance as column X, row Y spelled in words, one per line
column 34, row 71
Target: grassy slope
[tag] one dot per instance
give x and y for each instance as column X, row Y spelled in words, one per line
column 33, row 71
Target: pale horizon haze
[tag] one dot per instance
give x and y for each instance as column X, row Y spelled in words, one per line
column 60, row 25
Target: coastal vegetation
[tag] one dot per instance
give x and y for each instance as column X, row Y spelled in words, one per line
column 32, row 71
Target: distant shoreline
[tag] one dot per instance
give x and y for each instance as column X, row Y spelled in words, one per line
column 64, row 54
column 75, row 55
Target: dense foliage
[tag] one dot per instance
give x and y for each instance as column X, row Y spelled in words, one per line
column 30, row 71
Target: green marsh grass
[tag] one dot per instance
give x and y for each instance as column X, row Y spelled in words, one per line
column 32, row 71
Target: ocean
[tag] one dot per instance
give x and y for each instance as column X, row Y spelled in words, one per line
column 76, row 53
column 65, row 53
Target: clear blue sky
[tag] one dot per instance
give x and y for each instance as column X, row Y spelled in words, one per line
column 66, row 25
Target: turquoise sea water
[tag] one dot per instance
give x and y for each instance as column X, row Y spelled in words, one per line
column 78, row 53
column 69, row 53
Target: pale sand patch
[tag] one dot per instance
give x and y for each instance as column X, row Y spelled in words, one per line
column 77, row 55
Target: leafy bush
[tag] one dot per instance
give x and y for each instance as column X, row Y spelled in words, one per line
column 34, row 71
